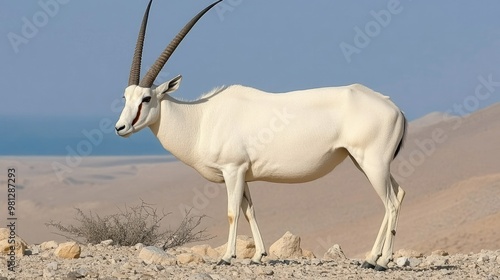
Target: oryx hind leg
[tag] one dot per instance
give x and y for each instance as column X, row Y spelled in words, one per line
column 392, row 196
column 248, row 210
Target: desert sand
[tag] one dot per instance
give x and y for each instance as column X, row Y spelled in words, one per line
column 449, row 168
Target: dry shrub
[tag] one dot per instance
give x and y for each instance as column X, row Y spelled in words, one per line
column 132, row 225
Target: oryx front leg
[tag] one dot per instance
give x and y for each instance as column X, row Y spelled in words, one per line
column 247, row 207
column 235, row 184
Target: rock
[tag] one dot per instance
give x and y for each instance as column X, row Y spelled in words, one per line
column 408, row 253
column 483, row 258
column 119, row 275
column 186, row 258
column 35, row 250
column 48, row 273
column 52, row 266
column 5, row 247
column 335, row 253
column 155, row 255
column 73, row 275
column 308, row 254
column 440, row 253
column 265, row 271
column 19, row 246
column 68, row 250
column 247, row 270
column 402, row 261
column 316, row 262
column 200, row 276
column 288, row 246
column 108, row 242
column 205, row 251
column 245, row 247
column 48, row 245
column 82, row 271
column 414, row 262
column 139, row 246
column 434, row 260
column 4, row 233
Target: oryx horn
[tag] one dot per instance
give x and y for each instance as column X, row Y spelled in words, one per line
column 153, row 72
column 135, row 70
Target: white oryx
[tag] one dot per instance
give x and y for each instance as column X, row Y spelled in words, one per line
column 238, row 134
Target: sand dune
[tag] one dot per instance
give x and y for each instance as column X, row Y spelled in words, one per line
column 448, row 167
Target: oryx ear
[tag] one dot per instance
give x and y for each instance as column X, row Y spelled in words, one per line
column 168, row 87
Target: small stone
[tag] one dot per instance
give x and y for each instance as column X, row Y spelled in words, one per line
column 288, row 246
column 158, row 267
column 73, row 275
column 155, row 255
column 35, row 250
column 46, row 255
column 440, row 252
column 247, row 270
column 186, row 258
column 216, row 276
column 48, row 245
column 437, row 260
column 92, row 274
column 402, row 261
column 483, row 258
column 127, row 265
column 68, row 250
column 82, row 271
column 414, row 262
column 52, row 266
column 408, row 253
column 335, row 253
column 316, row 262
column 268, row 272
column 200, row 276
column 139, row 246
column 47, row 273
column 119, row 275
column 205, row 251
column 108, row 242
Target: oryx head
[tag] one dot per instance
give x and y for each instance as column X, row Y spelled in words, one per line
column 142, row 99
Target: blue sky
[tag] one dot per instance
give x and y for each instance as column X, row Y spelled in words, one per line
column 429, row 56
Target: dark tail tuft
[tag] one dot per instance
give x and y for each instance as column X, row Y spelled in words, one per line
column 403, row 137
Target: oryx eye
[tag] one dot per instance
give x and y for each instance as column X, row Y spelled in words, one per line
column 146, row 99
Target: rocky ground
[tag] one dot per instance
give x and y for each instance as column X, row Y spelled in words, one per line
column 69, row 260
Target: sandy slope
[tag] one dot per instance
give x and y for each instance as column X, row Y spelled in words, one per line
column 449, row 169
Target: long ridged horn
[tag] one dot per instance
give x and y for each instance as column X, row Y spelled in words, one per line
column 153, row 72
column 135, row 70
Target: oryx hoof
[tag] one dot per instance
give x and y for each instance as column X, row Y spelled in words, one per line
column 252, row 262
column 380, row 268
column 223, row 262
column 368, row 265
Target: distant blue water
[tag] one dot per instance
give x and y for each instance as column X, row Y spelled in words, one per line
column 60, row 136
